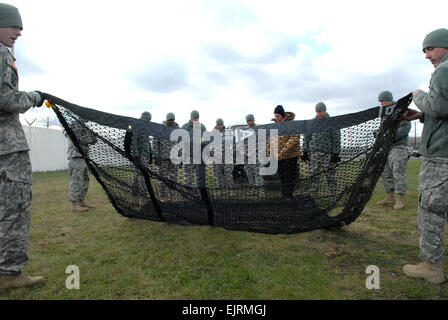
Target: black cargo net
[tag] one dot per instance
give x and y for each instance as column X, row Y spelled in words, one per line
column 321, row 175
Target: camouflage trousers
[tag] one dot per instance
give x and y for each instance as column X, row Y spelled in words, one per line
column 253, row 175
column 394, row 174
column 138, row 186
column 169, row 171
column 320, row 163
column 224, row 175
column 78, row 179
column 432, row 208
column 15, row 203
column 192, row 174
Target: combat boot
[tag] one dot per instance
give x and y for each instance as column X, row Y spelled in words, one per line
column 389, row 201
column 18, row 280
column 399, row 204
column 429, row 271
column 82, row 203
column 76, row 207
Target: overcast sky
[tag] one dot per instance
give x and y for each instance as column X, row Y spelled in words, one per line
column 225, row 58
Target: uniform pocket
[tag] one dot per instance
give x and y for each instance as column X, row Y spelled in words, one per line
column 435, row 198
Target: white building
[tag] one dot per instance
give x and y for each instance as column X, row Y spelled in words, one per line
column 48, row 148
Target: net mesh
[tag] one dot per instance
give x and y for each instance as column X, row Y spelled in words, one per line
column 323, row 180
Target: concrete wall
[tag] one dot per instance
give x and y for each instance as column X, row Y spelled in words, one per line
column 48, row 148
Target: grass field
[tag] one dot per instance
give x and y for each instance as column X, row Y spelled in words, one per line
column 121, row 258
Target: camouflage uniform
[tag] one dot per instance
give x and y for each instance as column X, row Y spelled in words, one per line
column 223, row 171
column 394, row 174
column 77, row 167
column 252, row 170
column 433, row 207
column 321, row 147
column 433, row 177
column 167, row 168
column 192, row 170
column 15, row 168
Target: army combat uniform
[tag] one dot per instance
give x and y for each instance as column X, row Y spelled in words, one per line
column 167, row 168
column 394, row 174
column 322, row 148
column 252, row 169
column 192, row 170
column 77, row 167
column 433, row 177
column 15, row 168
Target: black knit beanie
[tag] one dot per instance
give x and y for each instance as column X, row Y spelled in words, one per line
column 279, row 109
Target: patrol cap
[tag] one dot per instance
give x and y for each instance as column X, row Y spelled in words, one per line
column 194, row 115
column 146, row 116
column 170, row 116
column 320, row 106
column 250, row 117
column 10, row 16
column 385, row 96
column 436, row 38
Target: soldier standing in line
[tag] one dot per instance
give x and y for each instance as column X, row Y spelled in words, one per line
column 252, row 170
column 77, row 166
column 167, row 168
column 192, row 170
column 322, row 150
column 15, row 165
column 288, row 154
column 223, row 171
column 433, row 176
column 142, row 152
column 394, row 174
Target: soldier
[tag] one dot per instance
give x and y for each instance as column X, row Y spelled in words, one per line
column 77, row 167
column 433, row 177
column 223, row 171
column 15, row 166
column 167, row 167
column 288, row 155
column 322, row 150
column 192, row 170
column 142, row 152
column 394, row 174
column 252, row 170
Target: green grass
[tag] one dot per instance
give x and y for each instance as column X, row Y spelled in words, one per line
column 121, row 258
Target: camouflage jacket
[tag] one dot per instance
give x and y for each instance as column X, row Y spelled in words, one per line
column 163, row 146
column 326, row 142
column 12, row 102
column 402, row 136
column 434, row 106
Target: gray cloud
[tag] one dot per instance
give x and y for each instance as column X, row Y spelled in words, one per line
column 283, row 46
column 166, row 76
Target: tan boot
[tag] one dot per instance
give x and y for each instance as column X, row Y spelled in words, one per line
column 86, row 205
column 76, row 207
column 19, row 280
column 430, row 271
column 399, row 204
column 389, row 201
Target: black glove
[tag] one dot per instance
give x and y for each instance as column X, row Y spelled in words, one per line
column 305, row 156
column 335, row 158
column 43, row 97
